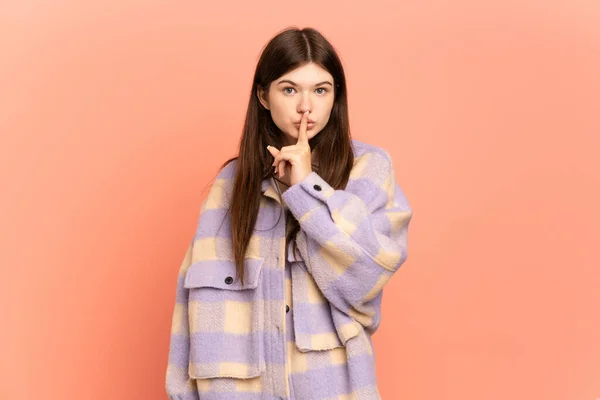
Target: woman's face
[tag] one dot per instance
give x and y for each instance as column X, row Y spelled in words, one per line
column 308, row 87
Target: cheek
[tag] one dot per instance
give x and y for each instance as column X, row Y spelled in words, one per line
column 277, row 114
column 279, row 111
column 281, row 117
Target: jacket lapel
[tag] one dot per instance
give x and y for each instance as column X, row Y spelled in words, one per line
column 268, row 189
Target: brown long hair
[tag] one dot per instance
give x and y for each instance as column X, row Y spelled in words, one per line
column 288, row 50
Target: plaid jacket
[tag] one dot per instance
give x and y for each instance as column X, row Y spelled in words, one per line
column 228, row 341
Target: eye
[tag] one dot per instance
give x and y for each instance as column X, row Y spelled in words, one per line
column 323, row 89
column 287, row 89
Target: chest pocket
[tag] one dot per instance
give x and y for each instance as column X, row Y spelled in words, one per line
column 318, row 325
column 225, row 319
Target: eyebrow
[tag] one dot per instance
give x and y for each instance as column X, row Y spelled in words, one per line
column 294, row 84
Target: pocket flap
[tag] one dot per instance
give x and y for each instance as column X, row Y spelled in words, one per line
column 221, row 274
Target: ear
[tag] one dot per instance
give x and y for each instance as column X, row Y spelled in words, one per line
column 262, row 98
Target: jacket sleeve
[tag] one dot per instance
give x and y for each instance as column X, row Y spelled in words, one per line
column 179, row 386
column 352, row 240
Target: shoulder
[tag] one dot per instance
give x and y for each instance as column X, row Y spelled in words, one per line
column 227, row 169
column 362, row 152
column 220, row 188
column 226, row 176
column 370, row 159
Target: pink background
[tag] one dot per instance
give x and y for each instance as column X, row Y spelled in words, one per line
column 114, row 116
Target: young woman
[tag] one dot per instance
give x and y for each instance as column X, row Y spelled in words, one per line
column 281, row 286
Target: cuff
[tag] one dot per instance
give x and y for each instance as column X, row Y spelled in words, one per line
column 307, row 194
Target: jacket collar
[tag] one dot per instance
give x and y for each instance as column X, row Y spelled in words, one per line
column 269, row 189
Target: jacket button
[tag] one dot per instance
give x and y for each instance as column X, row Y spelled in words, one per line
column 228, row 280
column 287, row 308
column 317, row 188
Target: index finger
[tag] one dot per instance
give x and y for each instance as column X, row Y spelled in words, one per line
column 302, row 135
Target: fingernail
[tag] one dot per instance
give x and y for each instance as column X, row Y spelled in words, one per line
column 268, row 146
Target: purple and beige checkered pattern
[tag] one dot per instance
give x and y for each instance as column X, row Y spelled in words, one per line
column 238, row 343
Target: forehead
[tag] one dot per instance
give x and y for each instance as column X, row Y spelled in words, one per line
column 307, row 74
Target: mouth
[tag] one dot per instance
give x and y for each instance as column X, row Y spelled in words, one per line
column 308, row 125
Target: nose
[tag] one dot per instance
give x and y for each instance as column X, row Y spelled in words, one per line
column 304, row 105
